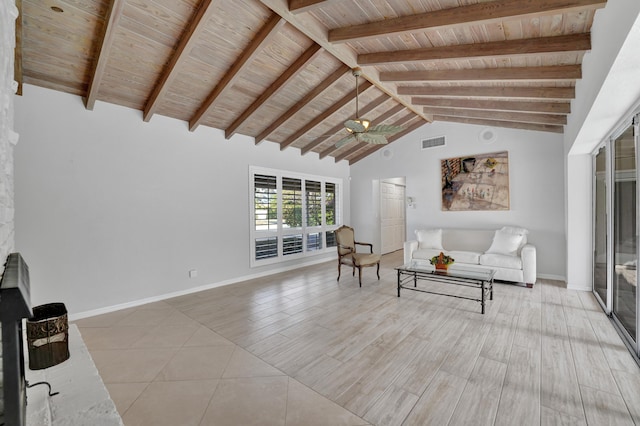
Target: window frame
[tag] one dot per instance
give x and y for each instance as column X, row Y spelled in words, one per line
column 282, row 231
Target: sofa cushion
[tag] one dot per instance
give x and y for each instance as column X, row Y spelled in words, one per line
column 477, row 240
column 468, row 257
column 501, row 261
column 505, row 243
column 429, row 238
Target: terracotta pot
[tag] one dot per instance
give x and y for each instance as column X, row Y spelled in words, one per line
column 441, row 267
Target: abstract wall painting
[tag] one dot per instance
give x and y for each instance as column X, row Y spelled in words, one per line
column 476, row 182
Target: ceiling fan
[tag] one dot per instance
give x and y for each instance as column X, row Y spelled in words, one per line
column 359, row 128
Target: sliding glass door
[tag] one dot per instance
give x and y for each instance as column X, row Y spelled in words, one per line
column 625, row 253
column 615, row 231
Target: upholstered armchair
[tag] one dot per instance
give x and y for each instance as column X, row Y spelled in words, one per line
column 347, row 254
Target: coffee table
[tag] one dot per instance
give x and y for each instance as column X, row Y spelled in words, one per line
column 478, row 278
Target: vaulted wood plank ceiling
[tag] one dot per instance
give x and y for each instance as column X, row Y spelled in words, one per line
column 279, row 70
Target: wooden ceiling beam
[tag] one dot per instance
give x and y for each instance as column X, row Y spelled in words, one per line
column 316, row 31
column 387, row 115
column 528, row 106
column 317, row 91
column 557, row 72
column 299, row 6
column 564, row 43
column 114, row 13
column 266, row 33
column 328, row 151
column 499, row 123
column 354, row 149
column 416, row 123
column 340, row 126
column 335, row 130
column 181, row 54
column 480, row 13
column 524, row 117
column 546, row 92
column 293, row 70
column 360, row 145
column 364, row 86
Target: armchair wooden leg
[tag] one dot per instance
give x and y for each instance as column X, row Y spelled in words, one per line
column 339, row 268
column 378, row 271
column 360, row 275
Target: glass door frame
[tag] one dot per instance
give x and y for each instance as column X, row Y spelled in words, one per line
column 631, row 340
column 636, row 140
column 608, row 179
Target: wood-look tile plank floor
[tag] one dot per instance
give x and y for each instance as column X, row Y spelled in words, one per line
column 299, row 348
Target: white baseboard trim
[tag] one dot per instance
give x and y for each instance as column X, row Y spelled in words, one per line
column 578, row 287
column 552, row 277
column 564, row 279
column 139, row 302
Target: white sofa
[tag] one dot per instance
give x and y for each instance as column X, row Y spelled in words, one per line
column 504, row 250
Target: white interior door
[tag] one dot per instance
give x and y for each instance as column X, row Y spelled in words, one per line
column 392, row 216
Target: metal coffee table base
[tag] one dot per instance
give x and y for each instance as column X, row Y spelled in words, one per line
column 481, row 282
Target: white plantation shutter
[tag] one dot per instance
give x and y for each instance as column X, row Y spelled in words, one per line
column 293, row 215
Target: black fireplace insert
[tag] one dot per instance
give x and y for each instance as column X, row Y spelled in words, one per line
column 15, row 304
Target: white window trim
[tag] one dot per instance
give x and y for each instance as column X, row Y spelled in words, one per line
column 304, row 230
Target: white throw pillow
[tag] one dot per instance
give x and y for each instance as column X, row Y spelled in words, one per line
column 514, row 230
column 429, row 238
column 518, row 231
column 505, row 243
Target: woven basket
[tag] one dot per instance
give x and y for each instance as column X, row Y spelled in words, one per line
column 48, row 336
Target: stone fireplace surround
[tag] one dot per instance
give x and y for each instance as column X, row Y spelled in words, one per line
column 82, row 400
column 8, row 139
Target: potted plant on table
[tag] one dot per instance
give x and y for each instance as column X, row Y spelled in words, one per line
column 442, row 261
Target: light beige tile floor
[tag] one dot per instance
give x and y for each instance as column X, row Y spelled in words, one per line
column 299, row 348
column 187, row 374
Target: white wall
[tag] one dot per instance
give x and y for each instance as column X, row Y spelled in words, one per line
column 112, row 210
column 536, row 186
column 579, row 223
column 607, row 93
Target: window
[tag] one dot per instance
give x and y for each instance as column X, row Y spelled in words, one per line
column 314, row 241
column 314, row 203
column 291, row 202
column 331, row 238
column 293, row 215
column 266, row 247
column 265, row 202
column 330, row 202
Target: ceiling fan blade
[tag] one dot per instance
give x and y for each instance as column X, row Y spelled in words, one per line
column 342, row 142
column 375, row 139
column 385, row 129
column 354, row 126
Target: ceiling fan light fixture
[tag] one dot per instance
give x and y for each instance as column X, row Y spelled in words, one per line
column 363, row 122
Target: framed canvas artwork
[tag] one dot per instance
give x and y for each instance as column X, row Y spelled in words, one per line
column 476, row 182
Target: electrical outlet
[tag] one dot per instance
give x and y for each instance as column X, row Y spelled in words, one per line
column 193, row 273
